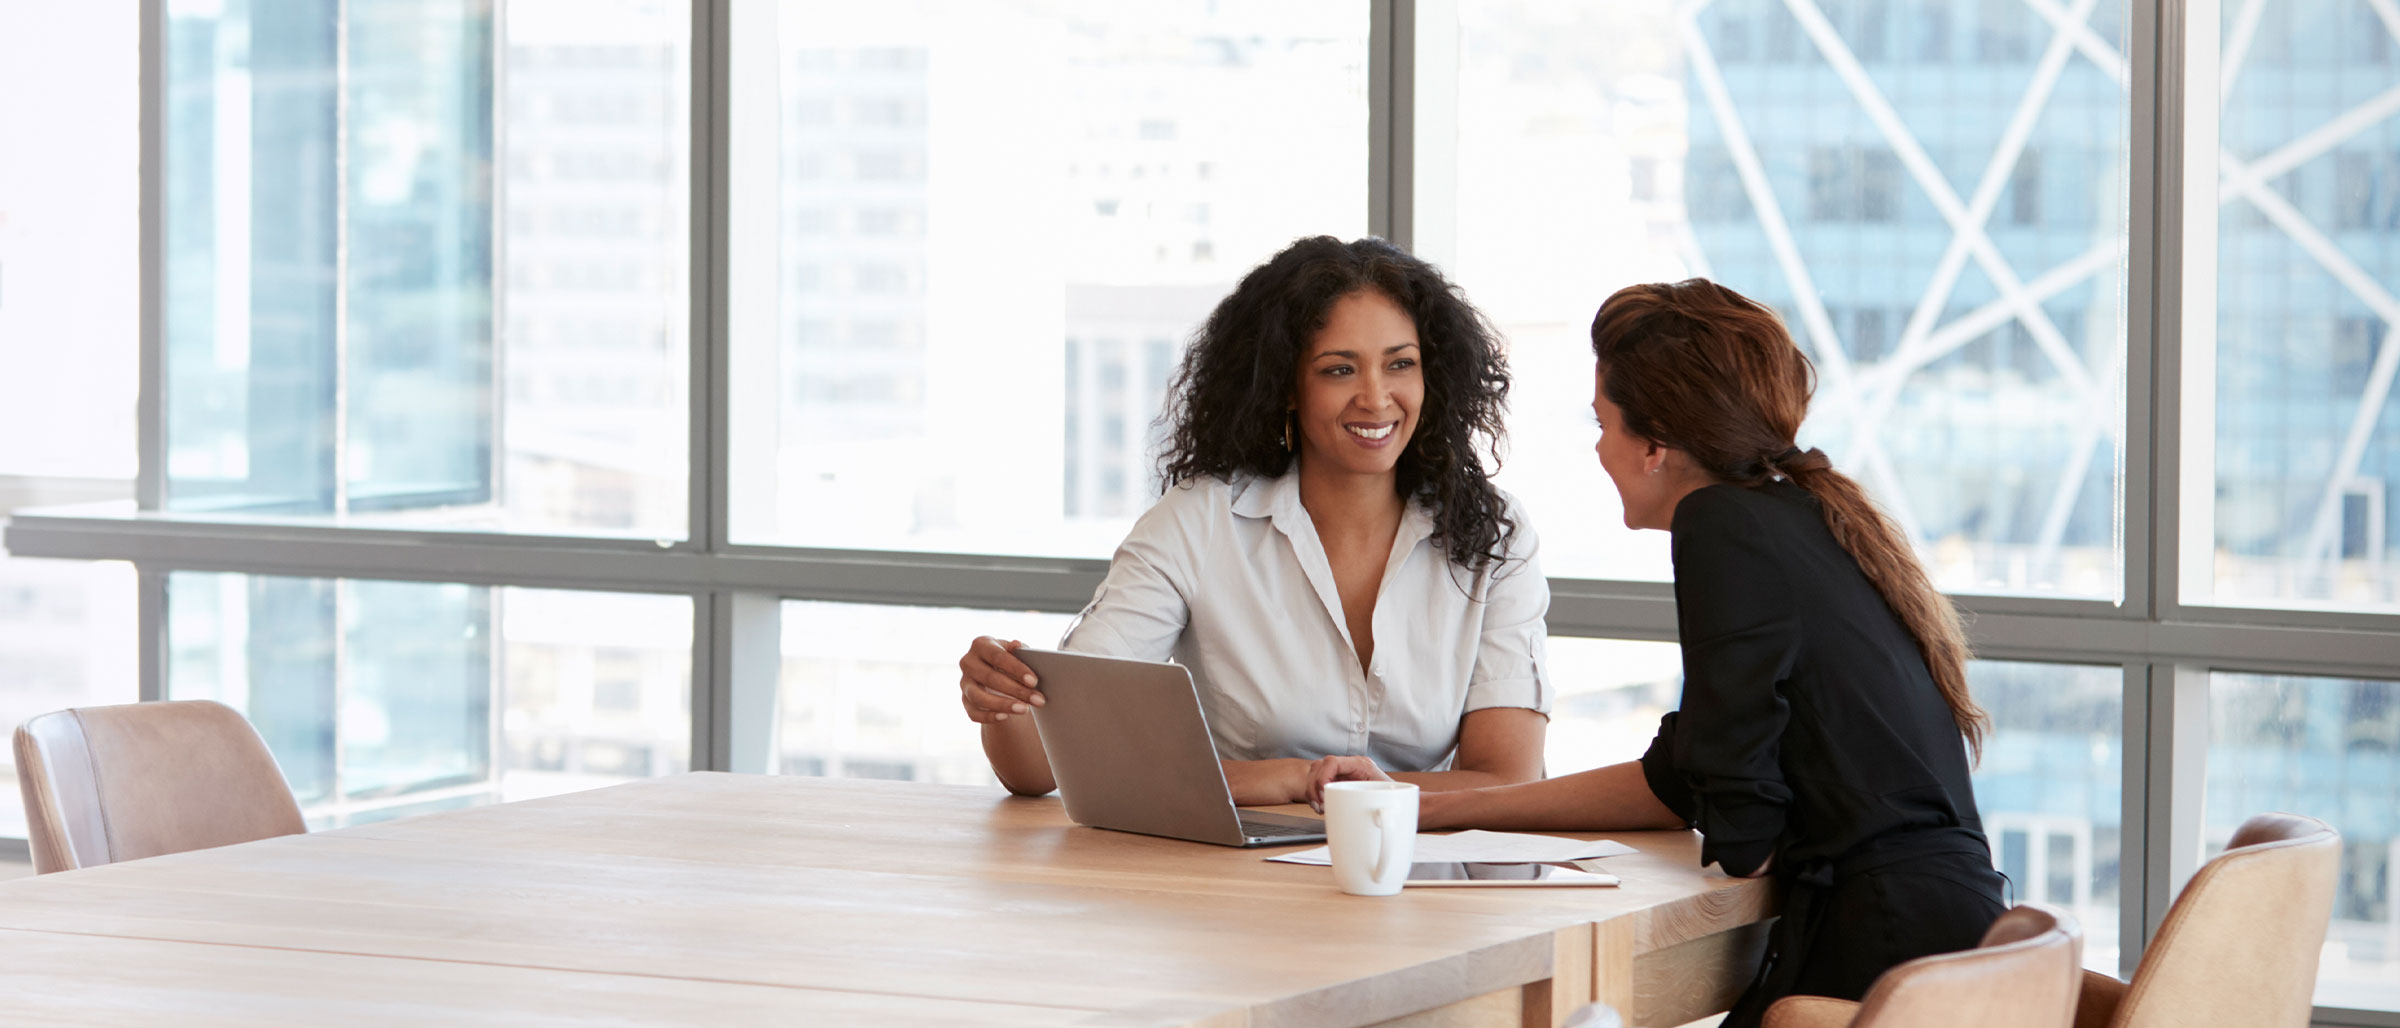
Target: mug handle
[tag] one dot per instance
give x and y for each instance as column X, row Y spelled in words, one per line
column 1383, row 844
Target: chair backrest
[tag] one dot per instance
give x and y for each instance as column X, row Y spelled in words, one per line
column 2240, row 944
column 104, row 784
column 2025, row 974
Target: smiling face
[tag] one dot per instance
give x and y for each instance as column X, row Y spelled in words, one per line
column 1360, row 387
column 1632, row 462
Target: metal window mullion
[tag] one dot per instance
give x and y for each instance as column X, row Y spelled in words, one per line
column 502, row 340
column 150, row 443
column 150, row 631
column 705, row 291
column 2133, row 836
column 2148, row 867
column 752, row 623
column 706, row 288
column 2175, row 780
column 2153, row 287
column 709, row 697
column 1391, row 80
column 150, row 420
column 738, row 651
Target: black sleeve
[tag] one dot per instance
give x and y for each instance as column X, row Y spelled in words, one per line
column 1658, row 769
column 1741, row 636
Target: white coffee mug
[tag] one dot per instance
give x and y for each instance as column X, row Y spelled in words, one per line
column 1372, row 830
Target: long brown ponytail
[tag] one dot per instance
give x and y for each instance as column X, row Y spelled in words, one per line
column 1700, row 368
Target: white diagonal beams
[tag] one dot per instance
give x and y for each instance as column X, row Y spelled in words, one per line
column 2004, row 158
column 1836, row 360
column 2387, row 358
column 1929, row 178
column 1762, row 200
column 1887, row 490
column 2348, row 125
column 2098, row 419
column 2389, row 12
column 2244, row 182
column 1966, row 328
column 2087, row 42
column 2237, row 46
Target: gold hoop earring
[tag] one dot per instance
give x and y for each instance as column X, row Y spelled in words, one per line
column 1287, row 431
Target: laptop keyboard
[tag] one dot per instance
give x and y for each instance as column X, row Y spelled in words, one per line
column 1264, row 830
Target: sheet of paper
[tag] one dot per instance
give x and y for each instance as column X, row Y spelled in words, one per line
column 1479, row 846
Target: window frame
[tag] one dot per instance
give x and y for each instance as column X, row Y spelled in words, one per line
column 2166, row 647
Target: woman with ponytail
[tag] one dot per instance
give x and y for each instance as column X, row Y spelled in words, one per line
column 1826, row 727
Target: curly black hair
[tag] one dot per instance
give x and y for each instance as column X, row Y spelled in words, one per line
column 1225, row 409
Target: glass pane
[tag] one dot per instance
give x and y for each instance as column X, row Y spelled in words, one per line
column 387, row 698
column 2049, row 788
column 425, row 262
column 66, row 640
column 1932, row 197
column 871, row 691
column 983, row 275
column 1611, row 693
column 2328, row 748
column 2306, row 254
column 68, row 333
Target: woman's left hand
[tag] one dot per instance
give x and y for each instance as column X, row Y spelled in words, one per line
column 1339, row 769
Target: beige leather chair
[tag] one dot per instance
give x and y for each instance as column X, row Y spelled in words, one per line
column 2023, row 975
column 104, row 784
column 2240, row 944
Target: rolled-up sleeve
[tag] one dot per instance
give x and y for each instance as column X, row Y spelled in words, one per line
column 1512, row 663
column 1140, row 609
column 1658, row 769
column 1741, row 637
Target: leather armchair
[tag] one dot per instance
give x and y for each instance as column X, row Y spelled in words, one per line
column 2240, row 944
column 2023, row 975
column 104, row 784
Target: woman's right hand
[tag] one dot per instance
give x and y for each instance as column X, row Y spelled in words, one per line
column 993, row 683
column 1325, row 771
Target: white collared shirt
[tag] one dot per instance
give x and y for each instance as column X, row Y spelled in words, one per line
column 1230, row 580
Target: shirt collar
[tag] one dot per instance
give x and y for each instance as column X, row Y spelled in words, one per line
column 1278, row 499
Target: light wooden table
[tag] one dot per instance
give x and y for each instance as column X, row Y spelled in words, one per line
column 730, row 898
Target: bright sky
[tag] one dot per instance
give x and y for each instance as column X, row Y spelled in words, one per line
column 68, row 248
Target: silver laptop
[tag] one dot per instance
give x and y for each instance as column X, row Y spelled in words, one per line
column 1130, row 750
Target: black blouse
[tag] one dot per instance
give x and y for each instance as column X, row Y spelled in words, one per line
column 1809, row 725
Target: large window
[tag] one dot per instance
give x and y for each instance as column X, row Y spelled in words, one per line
column 992, row 229
column 425, row 262
column 386, row 698
column 2328, row 748
column 2305, row 256
column 68, row 328
column 871, row 691
column 2051, row 789
column 493, row 398
column 1936, row 205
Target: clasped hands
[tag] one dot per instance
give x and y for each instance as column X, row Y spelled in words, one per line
column 1258, row 783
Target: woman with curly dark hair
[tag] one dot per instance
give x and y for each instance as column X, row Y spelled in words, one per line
column 1330, row 559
